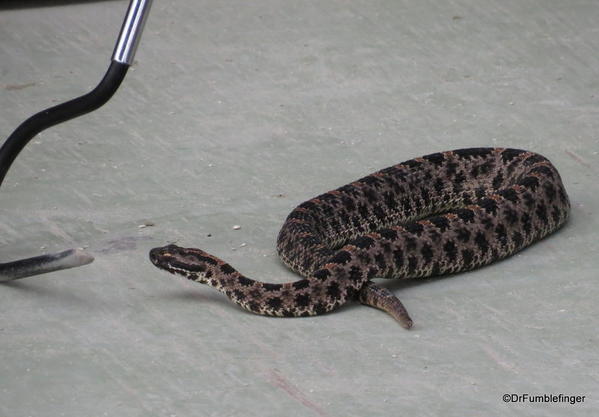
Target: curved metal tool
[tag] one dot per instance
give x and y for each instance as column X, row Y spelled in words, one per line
column 122, row 58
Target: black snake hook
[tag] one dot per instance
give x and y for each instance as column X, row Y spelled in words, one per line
column 122, row 58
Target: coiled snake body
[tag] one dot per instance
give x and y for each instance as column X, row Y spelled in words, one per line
column 438, row 214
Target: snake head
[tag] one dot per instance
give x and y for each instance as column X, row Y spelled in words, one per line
column 194, row 264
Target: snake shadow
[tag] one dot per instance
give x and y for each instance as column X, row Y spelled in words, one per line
column 203, row 296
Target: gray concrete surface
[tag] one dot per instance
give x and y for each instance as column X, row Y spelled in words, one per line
column 234, row 113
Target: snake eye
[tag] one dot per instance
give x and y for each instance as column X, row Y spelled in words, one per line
column 158, row 254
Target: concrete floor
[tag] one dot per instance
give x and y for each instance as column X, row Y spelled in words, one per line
column 234, row 113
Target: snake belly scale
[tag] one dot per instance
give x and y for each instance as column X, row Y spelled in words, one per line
column 439, row 214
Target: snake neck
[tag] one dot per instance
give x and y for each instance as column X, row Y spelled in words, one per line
column 325, row 290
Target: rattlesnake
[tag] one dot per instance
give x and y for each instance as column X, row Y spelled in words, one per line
column 438, row 214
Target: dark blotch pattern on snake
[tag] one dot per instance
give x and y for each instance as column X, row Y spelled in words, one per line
column 438, row 214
